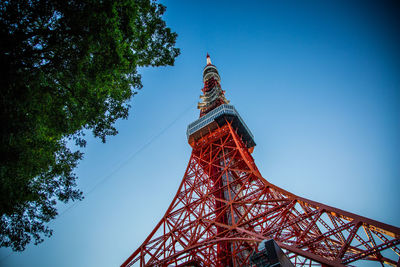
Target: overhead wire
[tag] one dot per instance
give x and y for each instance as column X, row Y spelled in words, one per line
column 130, row 157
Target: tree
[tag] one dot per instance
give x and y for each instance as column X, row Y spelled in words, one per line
column 68, row 67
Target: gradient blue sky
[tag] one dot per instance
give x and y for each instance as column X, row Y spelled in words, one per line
column 318, row 84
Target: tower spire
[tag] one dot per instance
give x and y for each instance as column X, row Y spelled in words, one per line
column 208, row 59
column 213, row 95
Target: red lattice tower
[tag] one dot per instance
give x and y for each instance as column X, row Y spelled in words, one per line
column 224, row 207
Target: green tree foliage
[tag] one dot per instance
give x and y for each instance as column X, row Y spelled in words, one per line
column 67, row 67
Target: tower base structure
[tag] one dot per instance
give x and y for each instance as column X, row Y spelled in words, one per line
column 224, row 208
column 269, row 254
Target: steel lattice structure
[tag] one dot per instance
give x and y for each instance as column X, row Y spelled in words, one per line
column 224, row 208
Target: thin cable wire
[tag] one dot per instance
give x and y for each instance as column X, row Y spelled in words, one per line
column 130, row 157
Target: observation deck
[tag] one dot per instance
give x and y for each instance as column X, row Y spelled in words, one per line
column 217, row 118
column 211, row 71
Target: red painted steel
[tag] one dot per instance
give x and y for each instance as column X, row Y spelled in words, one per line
column 224, row 207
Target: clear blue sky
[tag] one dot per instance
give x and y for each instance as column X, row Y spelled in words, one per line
column 318, row 84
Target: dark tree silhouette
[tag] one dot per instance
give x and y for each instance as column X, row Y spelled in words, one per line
column 67, row 67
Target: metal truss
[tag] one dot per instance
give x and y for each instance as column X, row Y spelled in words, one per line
column 224, row 208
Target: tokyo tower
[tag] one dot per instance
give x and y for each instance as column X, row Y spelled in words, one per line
column 224, row 207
